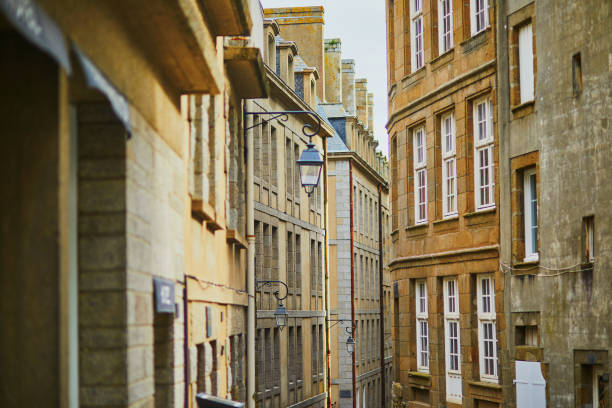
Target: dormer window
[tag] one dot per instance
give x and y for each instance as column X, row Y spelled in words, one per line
column 290, row 73
column 271, row 52
column 313, row 93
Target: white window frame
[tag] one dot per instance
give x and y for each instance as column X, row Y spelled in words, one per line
column 526, row 76
column 452, row 318
column 487, row 347
column 416, row 37
column 530, row 197
column 419, row 143
column 422, row 322
column 445, row 31
column 475, row 13
column 449, row 166
column 483, row 146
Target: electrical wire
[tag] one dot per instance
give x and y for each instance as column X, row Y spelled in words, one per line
column 559, row 271
column 204, row 284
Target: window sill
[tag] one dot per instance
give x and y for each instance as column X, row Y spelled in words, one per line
column 445, row 220
column 486, row 383
column 527, row 265
column 414, row 77
column 419, row 374
column 234, row 237
column 484, row 211
column 522, row 110
column 476, row 41
column 417, row 227
column 442, row 59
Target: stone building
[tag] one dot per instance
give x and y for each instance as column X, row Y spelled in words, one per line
column 289, row 231
column 123, row 263
column 358, row 219
column 449, row 327
column 556, row 219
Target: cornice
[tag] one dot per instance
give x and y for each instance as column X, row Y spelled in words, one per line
column 412, row 105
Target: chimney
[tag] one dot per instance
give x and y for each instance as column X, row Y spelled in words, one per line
column 333, row 70
column 348, row 86
column 371, row 111
column 361, row 90
column 304, row 26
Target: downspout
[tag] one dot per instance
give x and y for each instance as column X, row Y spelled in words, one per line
column 352, row 282
column 381, row 300
column 250, row 228
column 327, row 310
column 187, row 365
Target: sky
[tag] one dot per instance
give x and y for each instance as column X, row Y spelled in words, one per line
column 360, row 24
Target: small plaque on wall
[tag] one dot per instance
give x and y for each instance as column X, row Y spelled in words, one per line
column 164, row 295
column 346, row 394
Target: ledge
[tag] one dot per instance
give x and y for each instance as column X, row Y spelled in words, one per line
column 528, row 267
column 246, row 70
column 486, row 384
column 234, row 237
column 445, row 220
column 442, row 59
column 476, row 41
column 522, row 110
column 202, row 211
column 480, row 212
column 417, row 226
column 528, row 353
column 419, row 374
column 227, row 17
column 414, row 77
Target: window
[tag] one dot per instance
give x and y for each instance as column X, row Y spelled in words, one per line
column 483, row 155
column 479, row 15
column 530, row 206
column 422, row 327
column 589, row 238
column 445, row 25
column 449, row 167
column 420, row 176
column 526, row 79
column 487, row 336
column 416, row 34
column 451, row 341
column 271, row 52
column 577, row 74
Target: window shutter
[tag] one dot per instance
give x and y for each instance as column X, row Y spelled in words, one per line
column 526, row 63
column 530, row 385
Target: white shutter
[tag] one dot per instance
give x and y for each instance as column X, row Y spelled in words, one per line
column 530, row 385
column 526, row 63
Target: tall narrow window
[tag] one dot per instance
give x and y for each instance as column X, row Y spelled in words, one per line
column 530, row 206
column 576, row 74
column 422, row 327
column 452, row 342
column 416, row 34
column 479, row 15
column 527, row 88
column 420, row 176
column 487, row 335
column 484, row 187
column 445, row 25
column 589, row 238
column 449, row 167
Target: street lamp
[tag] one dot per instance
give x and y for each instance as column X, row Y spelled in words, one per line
column 280, row 314
column 350, row 341
column 310, row 163
column 350, row 344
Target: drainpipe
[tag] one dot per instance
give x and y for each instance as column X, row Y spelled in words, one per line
column 381, row 300
column 326, row 244
column 352, row 282
column 250, row 228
